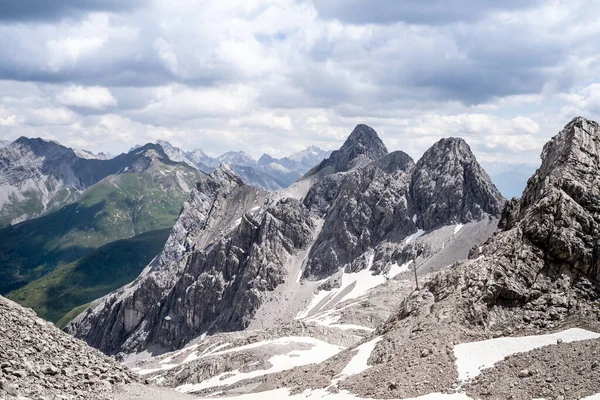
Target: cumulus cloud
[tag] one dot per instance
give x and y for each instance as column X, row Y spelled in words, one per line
column 35, row 10
column 278, row 75
column 413, row 11
column 87, row 97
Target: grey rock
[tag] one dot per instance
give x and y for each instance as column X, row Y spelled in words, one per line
column 524, row 373
column 232, row 246
column 370, row 206
column 125, row 319
column 49, row 369
column 449, row 186
column 362, row 146
column 37, row 374
column 38, row 176
column 391, row 198
column 542, row 267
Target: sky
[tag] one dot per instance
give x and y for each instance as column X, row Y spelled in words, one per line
column 276, row 76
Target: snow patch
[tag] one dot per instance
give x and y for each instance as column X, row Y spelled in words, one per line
column 458, row 228
column 414, row 236
column 354, row 285
column 472, row 357
column 283, row 393
column 359, row 362
column 319, row 352
column 396, row 269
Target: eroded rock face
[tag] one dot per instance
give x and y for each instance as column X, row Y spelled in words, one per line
column 233, row 247
column 124, row 319
column 229, row 277
column 392, row 198
column 543, row 267
column 449, row 186
column 370, row 205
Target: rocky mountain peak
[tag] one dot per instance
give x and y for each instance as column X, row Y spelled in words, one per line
column 42, row 147
column 560, row 205
column 543, row 266
column 360, row 148
column 449, row 186
column 240, row 158
column 164, row 143
column 568, row 157
column 224, row 173
column 364, row 135
column 266, row 159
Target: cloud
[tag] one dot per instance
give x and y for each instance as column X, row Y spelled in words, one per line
column 413, row 11
column 279, row 75
column 50, row 116
column 37, row 11
column 87, row 97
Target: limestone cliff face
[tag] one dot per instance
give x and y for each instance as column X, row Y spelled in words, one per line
column 392, row 198
column 543, row 266
column 124, row 319
column 371, row 204
column 233, row 245
column 448, row 185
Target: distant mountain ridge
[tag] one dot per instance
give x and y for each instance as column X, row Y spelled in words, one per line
column 267, row 173
column 118, row 199
column 39, row 176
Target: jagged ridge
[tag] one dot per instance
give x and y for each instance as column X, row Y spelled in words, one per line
column 221, row 278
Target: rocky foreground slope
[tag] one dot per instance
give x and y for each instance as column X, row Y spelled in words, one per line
column 238, row 258
column 37, row 361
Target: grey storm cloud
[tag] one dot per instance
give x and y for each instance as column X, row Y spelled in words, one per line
column 49, row 10
column 186, row 69
column 413, row 11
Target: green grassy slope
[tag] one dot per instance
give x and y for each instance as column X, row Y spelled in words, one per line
column 118, row 207
column 78, row 283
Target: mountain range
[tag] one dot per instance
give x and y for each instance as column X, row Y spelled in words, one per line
column 134, row 196
column 373, row 276
column 355, row 211
column 267, row 173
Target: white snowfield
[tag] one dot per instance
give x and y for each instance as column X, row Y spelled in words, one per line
column 396, row 269
column 458, row 228
column 279, row 394
column 414, row 236
column 318, row 352
column 472, row 357
column 353, row 286
column 358, row 363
